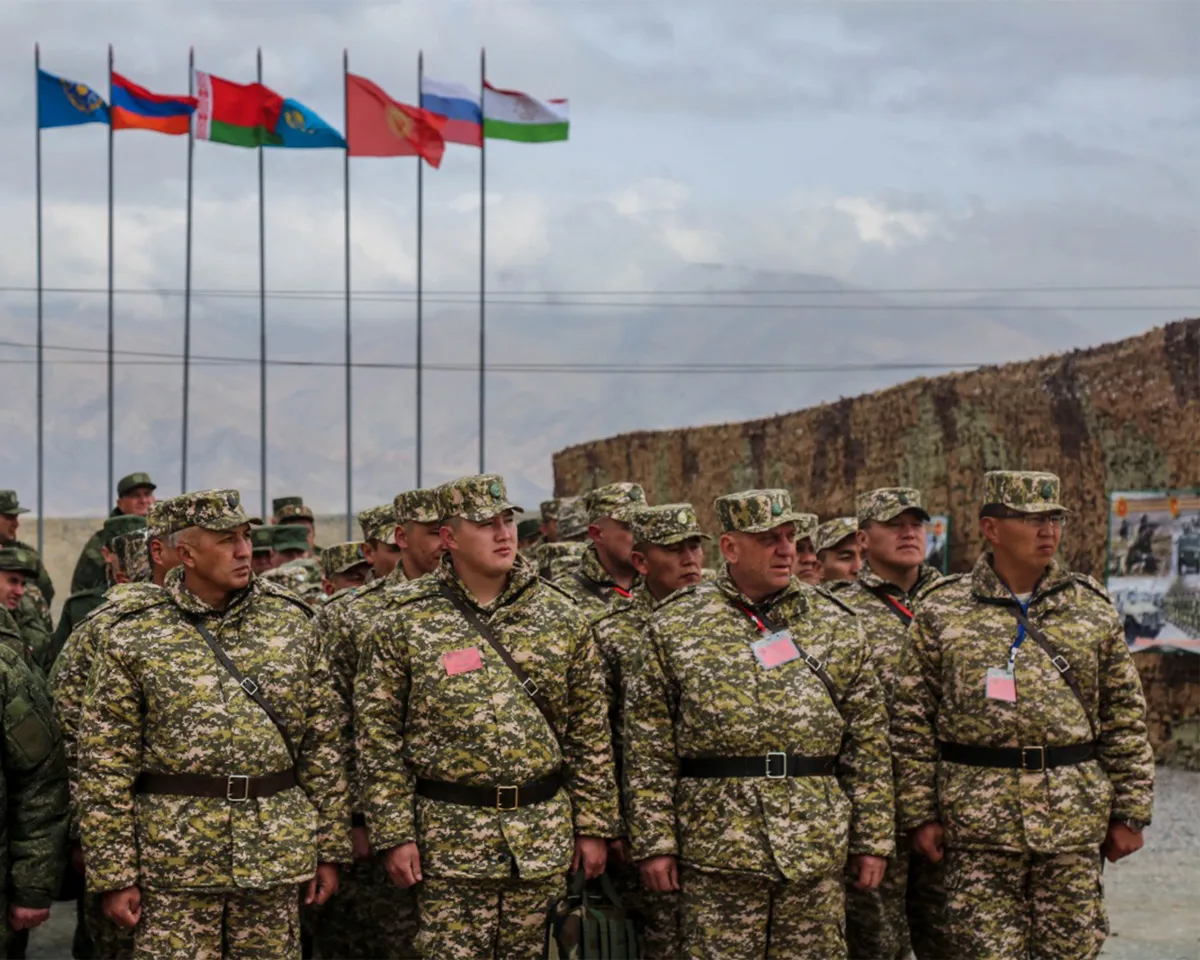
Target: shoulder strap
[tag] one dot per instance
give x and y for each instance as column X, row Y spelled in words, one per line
column 485, row 631
column 1061, row 663
column 247, row 685
column 813, row 664
column 901, row 611
column 590, row 585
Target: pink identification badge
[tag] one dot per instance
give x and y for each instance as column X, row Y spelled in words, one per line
column 462, row 661
column 1001, row 685
column 775, row 649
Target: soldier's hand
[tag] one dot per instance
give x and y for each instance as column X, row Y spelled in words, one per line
column 403, row 864
column 592, row 853
column 360, row 840
column 870, row 871
column 123, row 907
column 1122, row 840
column 619, row 852
column 323, row 886
column 660, row 874
column 26, row 918
column 927, row 840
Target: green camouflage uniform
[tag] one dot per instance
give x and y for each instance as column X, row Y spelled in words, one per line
column 10, row 505
column 488, row 873
column 761, row 858
column 1022, row 866
column 832, row 532
column 589, row 584
column 31, row 617
column 806, row 526
column 555, row 559
column 908, row 909
column 90, row 572
column 159, row 701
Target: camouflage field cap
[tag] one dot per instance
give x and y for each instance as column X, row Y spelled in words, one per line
column 550, row 509
column 260, row 539
column 291, row 510
column 132, row 554
column 379, row 523
column 529, row 528
column 887, row 503
column 666, row 524
column 130, row 483
column 14, row 559
column 10, row 505
column 832, row 532
column 1023, row 491
column 288, row 536
column 217, row 510
column 119, row 525
column 806, row 526
column 341, row 557
column 478, row 498
column 755, row 511
column 616, row 500
column 418, row 506
column 572, row 518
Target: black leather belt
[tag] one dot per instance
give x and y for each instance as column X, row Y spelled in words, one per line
column 235, row 789
column 773, row 766
column 499, row 798
column 1030, row 759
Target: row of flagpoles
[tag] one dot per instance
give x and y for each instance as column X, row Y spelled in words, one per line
column 254, row 116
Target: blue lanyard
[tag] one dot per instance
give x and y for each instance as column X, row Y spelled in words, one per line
column 1020, row 637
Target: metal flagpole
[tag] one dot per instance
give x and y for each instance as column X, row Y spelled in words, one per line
column 262, row 323
column 111, row 366
column 187, row 286
column 420, row 272
column 349, row 398
column 482, row 252
column 37, row 125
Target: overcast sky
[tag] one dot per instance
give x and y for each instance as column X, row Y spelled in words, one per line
column 883, row 146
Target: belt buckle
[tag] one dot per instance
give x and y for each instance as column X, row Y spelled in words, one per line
column 516, row 795
column 229, row 792
column 1041, row 755
column 814, row 664
column 1061, row 663
column 783, row 766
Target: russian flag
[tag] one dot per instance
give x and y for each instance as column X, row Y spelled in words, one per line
column 136, row 108
column 460, row 107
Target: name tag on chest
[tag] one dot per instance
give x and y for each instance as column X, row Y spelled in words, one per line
column 775, row 649
column 1001, row 685
column 462, row 661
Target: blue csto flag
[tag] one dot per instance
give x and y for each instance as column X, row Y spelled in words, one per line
column 64, row 103
column 299, row 126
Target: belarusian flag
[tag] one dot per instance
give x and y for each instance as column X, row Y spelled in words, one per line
column 244, row 115
column 509, row 115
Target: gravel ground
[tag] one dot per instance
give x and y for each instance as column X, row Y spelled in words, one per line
column 1153, row 897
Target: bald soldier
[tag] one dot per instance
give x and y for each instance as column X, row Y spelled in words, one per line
column 1020, row 737
column 605, row 577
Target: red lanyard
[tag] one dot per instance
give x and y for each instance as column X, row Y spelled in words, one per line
column 622, row 591
column 754, row 617
column 899, row 606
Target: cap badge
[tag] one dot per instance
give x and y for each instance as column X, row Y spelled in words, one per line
column 494, row 489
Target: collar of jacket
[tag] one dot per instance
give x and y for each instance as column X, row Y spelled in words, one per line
column 989, row 588
column 522, row 575
column 724, row 583
column 188, row 602
column 872, row 581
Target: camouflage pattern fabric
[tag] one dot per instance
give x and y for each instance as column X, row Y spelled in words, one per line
column 572, row 518
column 477, row 498
column 77, row 609
column 379, row 523
column 197, row 925
column 666, row 524
column 159, row 701
column 554, row 559
column 10, row 505
column 217, row 510
column 33, row 618
column 887, row 503
column 341, row 557
column 615, row 500
column 10, row 635
column 475, row 918
column 289, row 536
column 120, row 525
column 549, row 508
column 301, row 577
column 598, row 594
column 417, row 506
column 1023, row 491
column 480, row 727
column 755, row 511
column 832, row 532
column 132, row 481
column 701, row 692
column 659, row 912
column 133, row 555
column 90, row 571
column 806, row 525
column 964, row 627
column 290, row 509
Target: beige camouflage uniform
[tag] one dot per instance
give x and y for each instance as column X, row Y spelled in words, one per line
column 832, row 532
column 1022, row 865
column 761, row 856
column 211, row 870
column 488, row 871
column 564, row 555
column 589, row 584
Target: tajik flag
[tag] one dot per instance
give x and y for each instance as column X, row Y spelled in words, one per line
column 509, row 115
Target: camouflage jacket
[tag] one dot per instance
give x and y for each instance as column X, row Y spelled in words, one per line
column 702, row 693
column 73, row 667
column 78, row 607
column 590, row 586
column 42, row 582
column 965, row 625
column 33, row 619
column 480, row 727
column 885, row 625
column 551, row 559
column 158, row 700
column 90, row 570
column 34, row 785
column 302, row 577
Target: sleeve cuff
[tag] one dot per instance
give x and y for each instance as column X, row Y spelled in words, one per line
column 31, row 899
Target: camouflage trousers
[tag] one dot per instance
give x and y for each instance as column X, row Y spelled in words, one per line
column 370, row 918
column 484, row 919
column 109, row 942
column 1024, row 906
column 659, row 913
column 197, row 925
column 906, row 915
column 728, row 916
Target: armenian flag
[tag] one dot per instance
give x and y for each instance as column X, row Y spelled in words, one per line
column 136, row 108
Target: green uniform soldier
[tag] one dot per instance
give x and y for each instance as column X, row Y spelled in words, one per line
column 18, row 568
column 1020, row 737
column 756, row 757
column 135, row 495
column 291, row 510
column 605, row 577
column 10, row 522
column 483, row 784
column 260, row 545
column 838, row 551
column 379, row 539
column 206, row 796
column 668, row 553
column 549, row 513
column 528, row 536
column 807, row 568
column 909, row 906
column 343, row 567
column 294, row 568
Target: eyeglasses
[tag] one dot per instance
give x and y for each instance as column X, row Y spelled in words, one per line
column 1036, row 520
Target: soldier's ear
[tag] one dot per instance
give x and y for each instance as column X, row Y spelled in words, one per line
column 729, row 548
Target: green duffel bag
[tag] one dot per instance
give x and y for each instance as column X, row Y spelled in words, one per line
column 591, row 923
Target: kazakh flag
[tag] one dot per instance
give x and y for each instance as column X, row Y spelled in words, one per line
column 298, row 126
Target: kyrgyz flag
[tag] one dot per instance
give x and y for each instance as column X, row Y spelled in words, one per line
column 243, row 115
column 378, row 126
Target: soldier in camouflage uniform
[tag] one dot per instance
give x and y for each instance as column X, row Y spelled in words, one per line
column 378, row 526
column 10, row 523
column 343, row 567
column 909, row 906
column 292, row 511
column 135, row 495
column 298, row 572
column 807, row 568
column 528, row 537
column 549, row 525
column 260, row 544
column 605, row 577
column 200, row 812
column 756, row 755
column 1020, row 738
column 669, row 554
column 836, row 543
column 18, row 567
column 565, row 553
column 418, row 532
column 481, row 792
